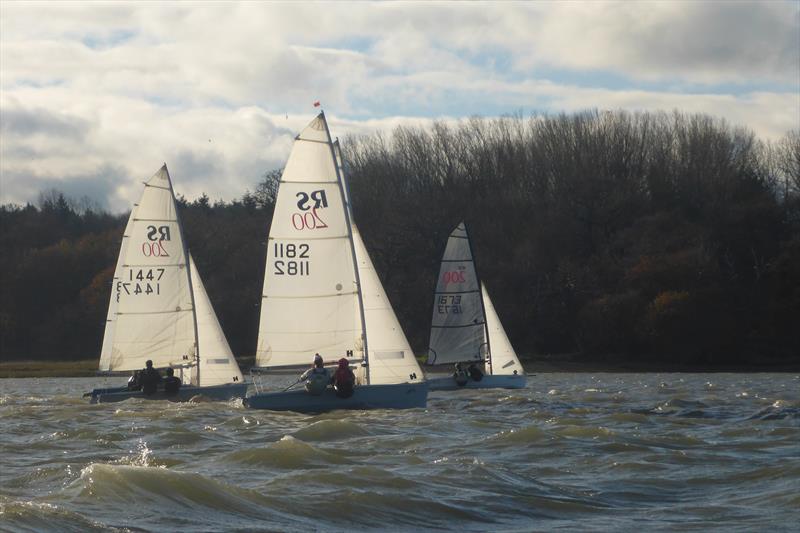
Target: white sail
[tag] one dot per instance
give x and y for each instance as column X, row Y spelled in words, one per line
column 458, row 331
column 217, row 364
column 111, row 318
column 154, row 317
column 391, row 359
column 503, row 358
column 310, row 301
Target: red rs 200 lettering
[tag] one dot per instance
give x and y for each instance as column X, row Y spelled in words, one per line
column 154, row 249
column 456, row 276
column 308, row 220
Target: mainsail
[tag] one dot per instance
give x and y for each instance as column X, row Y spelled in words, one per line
column 310, row 297
column 458, row 327
column 151, row 313
column 321, row 293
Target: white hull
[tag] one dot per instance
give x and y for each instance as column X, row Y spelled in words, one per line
column 224, row 392
column 392, row 396
column 488, row 382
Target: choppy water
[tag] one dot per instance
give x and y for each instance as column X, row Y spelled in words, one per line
column 573, row 451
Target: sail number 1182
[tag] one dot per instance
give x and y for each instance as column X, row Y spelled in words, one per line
column 291, row 259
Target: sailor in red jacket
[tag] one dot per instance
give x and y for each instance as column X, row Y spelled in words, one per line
column 344, row 381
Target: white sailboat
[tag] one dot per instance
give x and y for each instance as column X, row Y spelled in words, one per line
column 159, row 309
column 465, row 327
column 322, row 294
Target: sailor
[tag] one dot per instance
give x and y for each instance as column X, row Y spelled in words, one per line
column 150, row 378
column 344, row 381
column 475, row 372
column 460, row 376
column 317, row 377
column 171, row 383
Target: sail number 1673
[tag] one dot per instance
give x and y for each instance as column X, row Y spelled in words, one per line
column 291, row 259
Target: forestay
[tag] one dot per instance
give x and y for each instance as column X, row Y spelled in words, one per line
column 217, row 364
column 310, row 300
column 151, row 313
column 458, row 332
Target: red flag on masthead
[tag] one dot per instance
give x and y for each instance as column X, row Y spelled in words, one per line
column 316, row 104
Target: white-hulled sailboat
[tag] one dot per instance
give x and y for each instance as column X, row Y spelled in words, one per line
column 322, row 294
column 159, row 309
column 465, row 327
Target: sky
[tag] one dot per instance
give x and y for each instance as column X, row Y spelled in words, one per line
column 95, row 96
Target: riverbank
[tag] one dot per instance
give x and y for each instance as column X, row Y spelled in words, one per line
column 536, row 365
column 48, row 369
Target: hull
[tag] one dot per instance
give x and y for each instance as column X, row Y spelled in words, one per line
column 488, row 382
column 395, row 396
column 224, row 392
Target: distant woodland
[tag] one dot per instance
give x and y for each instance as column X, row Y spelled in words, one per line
column 611, row 236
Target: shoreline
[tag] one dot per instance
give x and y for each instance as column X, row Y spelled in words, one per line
column 548, row 365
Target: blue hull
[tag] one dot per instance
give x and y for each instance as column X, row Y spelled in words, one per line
column 395, row 396
column 224, row 392
column 488, row 382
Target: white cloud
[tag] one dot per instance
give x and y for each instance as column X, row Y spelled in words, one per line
column 108, row 91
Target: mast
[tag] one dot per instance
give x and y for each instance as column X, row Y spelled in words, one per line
column 483, row 304
column 345, row 192
column 188, row 275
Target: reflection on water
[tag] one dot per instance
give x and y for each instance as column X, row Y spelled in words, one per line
column 572, row 451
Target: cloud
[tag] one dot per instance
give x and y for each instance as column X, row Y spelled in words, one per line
column 101, row 187
column 97, row 96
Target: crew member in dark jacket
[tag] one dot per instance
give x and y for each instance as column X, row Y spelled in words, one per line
column 171, row 383
column 150, row 378
column 344, row 380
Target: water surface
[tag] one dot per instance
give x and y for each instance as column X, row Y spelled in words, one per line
column 572, row 451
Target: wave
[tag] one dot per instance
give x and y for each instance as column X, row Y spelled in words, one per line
column 287, row 453
column 45, row 517
column 779, row 410
column 519, row 436
column 161, row 488
column 330, row 430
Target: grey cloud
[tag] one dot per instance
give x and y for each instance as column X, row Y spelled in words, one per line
column 101, row 186
column 754, row 36
column 19, row 122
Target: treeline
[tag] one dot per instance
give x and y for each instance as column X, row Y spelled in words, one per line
column 657, row 236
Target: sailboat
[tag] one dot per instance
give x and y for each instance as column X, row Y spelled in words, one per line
column 322, row 295
column 465, row 327
column 159, row 309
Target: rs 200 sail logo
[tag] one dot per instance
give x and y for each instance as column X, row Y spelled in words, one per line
column 154, row 246
column 309, row 203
